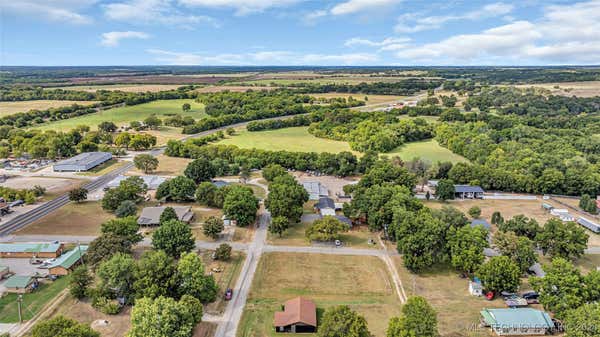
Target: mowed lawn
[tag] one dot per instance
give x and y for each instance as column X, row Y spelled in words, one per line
column 127, row 114
column 32, row 302
column 289, row 139
column 8, row 108
column 428, row 150
column 361, row 282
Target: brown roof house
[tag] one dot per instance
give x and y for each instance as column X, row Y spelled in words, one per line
column 299, row 315
column 151, row 215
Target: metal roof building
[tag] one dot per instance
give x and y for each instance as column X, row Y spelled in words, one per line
column 517, row 321
column 315, row 189
column 481, row 222
column 65, row 263
column 151, row 181
column 82, row 162
column 151, row 215
column 43, row 250
column 589, row 224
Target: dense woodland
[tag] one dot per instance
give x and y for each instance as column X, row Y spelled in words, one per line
column 401, row 87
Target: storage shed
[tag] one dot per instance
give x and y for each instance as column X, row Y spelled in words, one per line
column 299, row 315
column 589, row 224
column 82, row 162
column 19, row 284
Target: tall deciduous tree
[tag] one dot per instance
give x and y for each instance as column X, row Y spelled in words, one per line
column 341, row 321
column 200, row 170
column 562, row 239
column 212, row 227
column 78, row 194
column 583, row 321
column 500, row 273
column 418, row 319
column 279, row 225
column 445, row 189
column 561, row 289
column 519, row 248
column 145, row 162
column 466, row 247
column 117, row 276
column 61, row 326
column 240, row 204
column 174, row 237
column 192, row 281
column 164, row 316
column 79, row 282
column 327, row 228
column 155, row 275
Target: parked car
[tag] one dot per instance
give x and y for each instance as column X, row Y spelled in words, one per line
column 16, row 203
column 338, row 243
column 515, row 301
column 531, row 297
column 228, row 294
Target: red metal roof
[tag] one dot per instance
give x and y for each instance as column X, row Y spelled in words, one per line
column 297, row 310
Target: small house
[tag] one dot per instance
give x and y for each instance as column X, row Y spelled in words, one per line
column 151, row 215
column 475, row 288
column 68, row 261
column 547, row 207
column 468, row 192
column 325, row 206
column 29, row 250
column 517, row 321
column 298, row 315
column 20, row 284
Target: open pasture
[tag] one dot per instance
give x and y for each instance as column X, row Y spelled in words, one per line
column 123, row 87
column 127, row 114
column 428, row 150
column 361, row 282
column 9, row 108
column 579, row 89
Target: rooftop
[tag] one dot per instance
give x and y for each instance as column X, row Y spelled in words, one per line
column 468, row 189
column 297, row 310
column 325, row 203
column 84, row 158
column 517, row 318
column 151, row 181
column 315, row 188
column 18, row 281
column 29, row 247
column 151, row 215
column 481, row 222
column 68, row 259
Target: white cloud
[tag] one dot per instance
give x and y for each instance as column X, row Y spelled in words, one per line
column 356, row 6
column 412, row 23
column 565, row 34
column 242, row 7
column 153, row 11
column 112, row 39
column 388, row 44
column 262, row 58
column 67, row 11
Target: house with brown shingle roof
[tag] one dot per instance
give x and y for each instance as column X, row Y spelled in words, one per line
column 298, row 315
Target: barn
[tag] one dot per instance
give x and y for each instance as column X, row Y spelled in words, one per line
column 468, row 192
column 82, row 162
column 298, row 315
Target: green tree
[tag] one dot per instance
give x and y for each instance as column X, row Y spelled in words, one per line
column 117, row 276
column 200, row 170
column 167, row 215
column 123, row 139
column 475, row 212
column 327, row 228
column 445, row 190
column 286, row 198
column 164, row 316
column 562, row 239
column 588, row 204
column 240, row 204
column 497, row 218
column 132, row 188
column 279, row 225
column 107, row 127
column 206, row 193
column 155, row 275
column 174, row 237
column 212, row 227
column 192, row 280
column 125, row 209
column 519, row 248
column 420, row 237
column 78, row 194
column 153, row 122
column 186, row 107
column 105, row 246
column 178, row 189
column 126, row 228
column 500, row 273
column 223, row 252
column 521, row 225
column 145, row 162
column 583, row 321
column 272, row 171
column 341, row 321
column 61, row 326
column 466, row 246
column 561, row 289
column 79, row 282
column 418, row 319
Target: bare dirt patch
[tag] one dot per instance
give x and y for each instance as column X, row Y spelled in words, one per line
column 53, row 186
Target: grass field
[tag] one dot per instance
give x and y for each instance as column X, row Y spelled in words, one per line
column 125, row 115
column 362, row 282
column 290, row 139
column 428, row 150
column 123, row 87
column 371, row 99
column 32, row 302
column 447, row 292
column 169, row 166
column 73, row 219
column 8, row 108
column 225, row 279
column 579, row 89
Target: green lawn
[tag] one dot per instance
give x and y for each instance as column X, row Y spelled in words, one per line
column 428, row 150
column 124, row 115
column 32, row 302
column 289, row 139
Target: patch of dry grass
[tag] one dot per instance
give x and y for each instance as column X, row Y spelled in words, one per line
column 8, row 108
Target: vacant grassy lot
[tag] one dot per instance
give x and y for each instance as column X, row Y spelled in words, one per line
column 371, row 99
column 32, row 302
column 428, row 150
column 294, row 236
column 226, row 278
column 169, row 166
column 72, row 219
column 362, row 282
column 124, row 87
column 7, row 108
column 125, row 115
column 290, row 139
column 448, row 293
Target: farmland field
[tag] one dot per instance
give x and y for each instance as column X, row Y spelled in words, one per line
column 579, row 89
column 361, row 282
column 428, row 150
column 8, row 108
column 123, row 87
column 372, row 99
column 289, row 139
column 125, row 115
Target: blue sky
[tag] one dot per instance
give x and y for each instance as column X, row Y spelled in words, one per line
column 299, row 32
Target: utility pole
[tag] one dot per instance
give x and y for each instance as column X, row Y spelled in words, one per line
column 19, row 300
